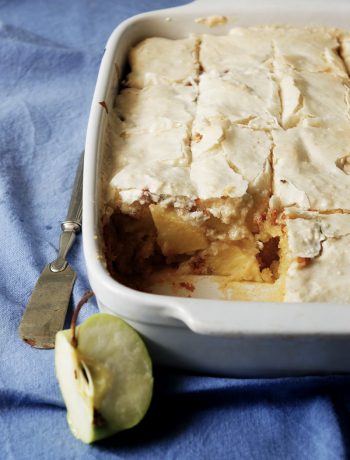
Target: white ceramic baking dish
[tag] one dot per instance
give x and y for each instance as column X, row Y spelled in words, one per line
column 212, row 336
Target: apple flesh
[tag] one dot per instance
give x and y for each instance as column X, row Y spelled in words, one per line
column 106, row 379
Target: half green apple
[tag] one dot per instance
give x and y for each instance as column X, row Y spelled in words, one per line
column 105, row 376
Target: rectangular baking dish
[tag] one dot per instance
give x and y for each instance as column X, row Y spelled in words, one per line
column 213, row 336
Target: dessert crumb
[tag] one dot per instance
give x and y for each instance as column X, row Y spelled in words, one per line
column 189, row 286
column 303, row 261
column 212, row 21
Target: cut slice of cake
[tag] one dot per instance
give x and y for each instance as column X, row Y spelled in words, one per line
column 311, row 168
column 160, row 60
column 318, row 246
column 247, row 99
column 314, row 99
column 156, row 107
column 309, row 49
column 244, row 49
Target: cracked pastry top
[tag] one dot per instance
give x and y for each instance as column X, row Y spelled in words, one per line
column 227, row 161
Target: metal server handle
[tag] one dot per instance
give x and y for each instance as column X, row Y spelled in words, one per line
column 75, row 206
column 72, row 225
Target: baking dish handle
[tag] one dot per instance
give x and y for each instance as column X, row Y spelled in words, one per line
column 202, row 316
column 221, row 318
column 225, row 318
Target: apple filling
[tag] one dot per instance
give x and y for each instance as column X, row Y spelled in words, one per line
column 158, row 242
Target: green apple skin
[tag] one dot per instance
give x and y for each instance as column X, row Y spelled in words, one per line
column 106, row 381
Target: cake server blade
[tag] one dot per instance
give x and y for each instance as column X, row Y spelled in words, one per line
column 47, row 307
column 46, row 310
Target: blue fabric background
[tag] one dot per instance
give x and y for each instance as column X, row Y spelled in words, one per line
column 49, row 58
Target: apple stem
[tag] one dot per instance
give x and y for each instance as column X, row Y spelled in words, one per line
column 73, row 323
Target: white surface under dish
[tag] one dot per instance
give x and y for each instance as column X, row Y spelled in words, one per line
column 212, row 336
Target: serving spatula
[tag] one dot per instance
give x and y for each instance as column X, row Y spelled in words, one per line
column 46, row 310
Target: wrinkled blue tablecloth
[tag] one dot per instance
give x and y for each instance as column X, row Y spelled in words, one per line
column 49, row 58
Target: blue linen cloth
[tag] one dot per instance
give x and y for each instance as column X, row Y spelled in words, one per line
column 49, row 55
